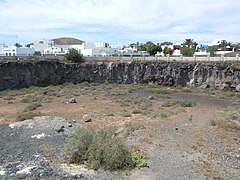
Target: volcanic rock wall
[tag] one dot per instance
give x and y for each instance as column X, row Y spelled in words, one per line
column 16, row 74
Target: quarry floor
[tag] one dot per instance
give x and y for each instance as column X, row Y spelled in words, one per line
column 185, row 133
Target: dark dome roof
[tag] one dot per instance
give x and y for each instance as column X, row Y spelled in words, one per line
column 67, row 41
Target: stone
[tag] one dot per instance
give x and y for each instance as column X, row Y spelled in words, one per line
column 150, row 97
column 204, row 86
column 119, row 130
column 61, row 129
column 233, row 86
column 224, row 86
column 87, row 118
column 238, row 88
column 72, row 100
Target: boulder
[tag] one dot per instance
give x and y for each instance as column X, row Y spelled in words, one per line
column 224, row 86
column 238, row 88
column 87, row 118
column 72, row 100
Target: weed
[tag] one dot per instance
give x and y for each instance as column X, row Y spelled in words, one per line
column 33, row 106
column 136, row 111
column 190, row 118
column 213, row 122
column 28, row 115
column 100, row 150
column 184, row 103
column 145, row 104
column 133, row 126
column 126, row 114
column 161, row 113
column 31, row 99
column 138, row 159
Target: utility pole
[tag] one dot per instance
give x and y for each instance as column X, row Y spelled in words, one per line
column 16, row 38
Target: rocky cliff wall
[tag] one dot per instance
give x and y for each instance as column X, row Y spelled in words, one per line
column 196, row 74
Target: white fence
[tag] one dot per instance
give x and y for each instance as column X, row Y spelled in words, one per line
column 167, row 58
column 133, row 58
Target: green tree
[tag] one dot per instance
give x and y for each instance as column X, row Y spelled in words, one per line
column 18, row 45
column 190, row 43
column 212, row 50
column 37, row 53
column 168, row 50
column 189, row 47
column 150, row 47
column 73, row 56
column 187, row 51
column 166, row 43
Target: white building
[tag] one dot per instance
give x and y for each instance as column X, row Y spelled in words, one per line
column 2, row 47
column 217, row 42
column 98, row 49
column 41, row 45
column 52, row 50
column 16, row 51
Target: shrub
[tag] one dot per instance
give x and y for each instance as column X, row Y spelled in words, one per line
column 184, row 103
column 213, row 122
column 100, row 150
column 73, row 56
column 138, row 159
column 26, row 116
column 33, row 106
column 37, row 53
column 158, row 90
column 133, row 126
column 31, row 99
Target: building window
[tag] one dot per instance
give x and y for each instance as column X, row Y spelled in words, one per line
column 13, row 54
column 10, row 54
column 6, row 54
column 40, row 42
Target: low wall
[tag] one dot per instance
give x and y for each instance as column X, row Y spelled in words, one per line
column 17, row 74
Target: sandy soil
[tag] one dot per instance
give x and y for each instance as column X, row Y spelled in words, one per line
column 184, row 144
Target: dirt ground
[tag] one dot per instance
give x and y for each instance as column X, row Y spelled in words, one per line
column 185, row 133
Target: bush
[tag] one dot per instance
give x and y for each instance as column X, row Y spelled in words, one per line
column 33, row 106
column 184, row 103
column 37, row 53
column 100, row 150
column 73, row 56
column 133, row 126
column 26, row 116
column 31, row 99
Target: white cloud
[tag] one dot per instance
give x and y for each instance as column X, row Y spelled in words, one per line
column 125, row 20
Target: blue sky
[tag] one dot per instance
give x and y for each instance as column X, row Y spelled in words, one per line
column 119, row 21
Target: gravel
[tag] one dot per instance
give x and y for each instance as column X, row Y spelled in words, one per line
column 32, row 148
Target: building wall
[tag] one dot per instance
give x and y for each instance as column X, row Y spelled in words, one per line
column 41, row 45
column 14, row 51
column 25, row 51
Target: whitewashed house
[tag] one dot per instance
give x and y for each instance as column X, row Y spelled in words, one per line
column 52, row 50
column 2, row 47
column 16, row 51
column 97, row 49
column 41, row 45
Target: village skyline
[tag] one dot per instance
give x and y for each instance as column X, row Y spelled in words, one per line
column 119, row 22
